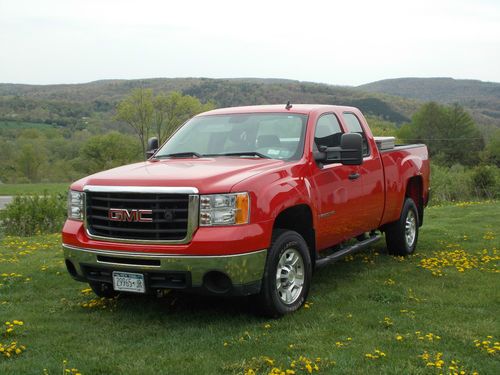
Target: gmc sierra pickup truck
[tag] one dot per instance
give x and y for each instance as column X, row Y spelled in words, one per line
column 246, row 201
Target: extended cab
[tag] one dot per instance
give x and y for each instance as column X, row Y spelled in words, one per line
column 246, row 200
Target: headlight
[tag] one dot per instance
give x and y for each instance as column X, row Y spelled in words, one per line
column 75, row 205
column 224, row 209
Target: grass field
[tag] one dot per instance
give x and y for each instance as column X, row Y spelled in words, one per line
column 30, row 189
column 369, row 314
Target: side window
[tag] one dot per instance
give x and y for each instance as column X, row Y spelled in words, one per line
column 354, row 126
column 328, row 131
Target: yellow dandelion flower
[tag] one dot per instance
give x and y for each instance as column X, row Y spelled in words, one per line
column 309, row 368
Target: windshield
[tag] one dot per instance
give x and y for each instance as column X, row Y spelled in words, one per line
column 260, row 135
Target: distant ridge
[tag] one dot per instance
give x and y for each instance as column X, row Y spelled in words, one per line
column 394, row 100
column 69, row 102
column 482, row 98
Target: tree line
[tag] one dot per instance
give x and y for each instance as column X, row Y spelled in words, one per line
column 36, row 152
column 48, row 153
column 451, row 136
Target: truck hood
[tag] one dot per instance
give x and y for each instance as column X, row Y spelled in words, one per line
column 208, row 175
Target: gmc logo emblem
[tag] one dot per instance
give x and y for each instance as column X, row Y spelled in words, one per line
column 134, row 215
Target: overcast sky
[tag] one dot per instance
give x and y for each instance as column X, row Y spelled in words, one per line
column 347, row 42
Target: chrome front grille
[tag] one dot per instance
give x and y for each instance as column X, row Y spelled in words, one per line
column 170, row 217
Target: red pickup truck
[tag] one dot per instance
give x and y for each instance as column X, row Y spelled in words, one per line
column 246, row 201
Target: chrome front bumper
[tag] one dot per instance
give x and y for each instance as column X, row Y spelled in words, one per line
column 242, row 269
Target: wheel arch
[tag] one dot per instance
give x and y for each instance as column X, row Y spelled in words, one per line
column 299, row 218
column 414, row 190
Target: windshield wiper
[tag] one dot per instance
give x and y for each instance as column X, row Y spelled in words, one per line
column 242, row 153
column 179, row 155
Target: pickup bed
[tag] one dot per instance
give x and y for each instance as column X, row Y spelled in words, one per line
column 246, row 201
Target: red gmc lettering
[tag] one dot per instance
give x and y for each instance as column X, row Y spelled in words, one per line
column 122, row 214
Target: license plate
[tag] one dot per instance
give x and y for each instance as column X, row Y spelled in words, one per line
column 129, row 282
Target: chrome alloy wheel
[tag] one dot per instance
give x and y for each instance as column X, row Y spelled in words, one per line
column 410, row 228
column 290, row 276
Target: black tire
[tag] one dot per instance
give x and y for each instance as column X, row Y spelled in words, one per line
column 290, row 248
column 402, row 235
column 103, row 290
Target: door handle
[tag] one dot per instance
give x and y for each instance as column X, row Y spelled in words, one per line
column 354, row 176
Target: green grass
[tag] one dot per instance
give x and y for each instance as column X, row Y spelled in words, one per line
column 186, row 334
column 38, row 188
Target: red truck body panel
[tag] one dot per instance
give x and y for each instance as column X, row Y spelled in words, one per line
column 400, row 165
column 206, row 241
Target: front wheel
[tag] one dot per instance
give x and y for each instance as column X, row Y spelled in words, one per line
column 287, row 275
column 402, row 235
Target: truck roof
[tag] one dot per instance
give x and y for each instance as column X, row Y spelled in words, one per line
column 277, row 108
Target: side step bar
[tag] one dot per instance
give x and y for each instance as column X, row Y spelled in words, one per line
column 321, row 262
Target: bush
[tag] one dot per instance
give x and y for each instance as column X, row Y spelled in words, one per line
column 29, row 215
column 449, row 184
column 458, row 183
column 484, row 181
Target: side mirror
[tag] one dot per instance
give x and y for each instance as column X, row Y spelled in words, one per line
column 350, row 151
column 152, row 147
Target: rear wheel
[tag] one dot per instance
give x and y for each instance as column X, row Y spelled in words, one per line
column 287, row 276
column 402, row 235
column 103, row 289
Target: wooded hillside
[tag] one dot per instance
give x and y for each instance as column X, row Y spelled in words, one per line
column 482, row 99
column 74, row 104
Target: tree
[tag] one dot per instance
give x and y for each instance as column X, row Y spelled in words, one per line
column 30, row 161
column 137, row 111
column 449, row 132
column 7, row 164
column 108, row 151
column 172, row 110
column 492, row 151
column 466, row 141
column 161, row 114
